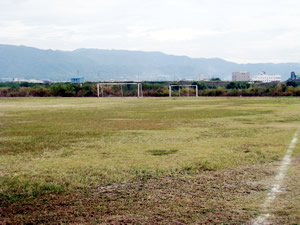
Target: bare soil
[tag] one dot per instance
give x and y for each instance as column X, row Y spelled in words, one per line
column 223, row 196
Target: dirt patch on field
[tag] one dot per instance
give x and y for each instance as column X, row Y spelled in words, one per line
column 232, row 196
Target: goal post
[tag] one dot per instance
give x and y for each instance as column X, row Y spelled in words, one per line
column 186, row 86
column 101, row 85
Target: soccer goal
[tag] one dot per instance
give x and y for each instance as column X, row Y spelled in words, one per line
column 186, row 88
column 100, row 88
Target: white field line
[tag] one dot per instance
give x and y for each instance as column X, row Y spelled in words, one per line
column 277, row 182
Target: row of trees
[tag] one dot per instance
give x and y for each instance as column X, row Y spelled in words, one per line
column 290, row 88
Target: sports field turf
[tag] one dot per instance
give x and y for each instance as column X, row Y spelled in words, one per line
column 147, row 160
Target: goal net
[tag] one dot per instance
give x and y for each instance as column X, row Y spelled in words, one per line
column 183, row 90
column 119, row 90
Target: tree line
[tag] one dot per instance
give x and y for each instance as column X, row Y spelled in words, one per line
column 150, row 89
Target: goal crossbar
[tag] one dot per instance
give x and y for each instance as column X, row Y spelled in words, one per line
column 188, row 86
column 100, row 85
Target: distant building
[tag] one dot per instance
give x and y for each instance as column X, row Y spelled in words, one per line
column 241, row 76
column 77, row 80
column 267, row 78
column 6, row 79
column 21, row 80
column 202, row 77
column 294, row 76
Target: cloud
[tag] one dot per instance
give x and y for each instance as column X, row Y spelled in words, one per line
column 242, row 30
column 173, row 34
column 13, row 29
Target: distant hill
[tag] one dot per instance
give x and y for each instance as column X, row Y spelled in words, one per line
column 96, row 64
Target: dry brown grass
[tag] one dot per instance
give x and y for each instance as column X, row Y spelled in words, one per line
column 187, row 160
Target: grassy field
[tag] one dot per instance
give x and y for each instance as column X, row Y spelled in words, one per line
column 152, row 160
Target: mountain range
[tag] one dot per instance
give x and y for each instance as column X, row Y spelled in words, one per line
column 97, row 65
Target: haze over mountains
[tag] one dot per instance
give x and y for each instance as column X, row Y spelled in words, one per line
column 96, row 65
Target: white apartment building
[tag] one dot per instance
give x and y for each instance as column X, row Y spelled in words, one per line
column 202, row 77
column 240, row 76
column 266, row 78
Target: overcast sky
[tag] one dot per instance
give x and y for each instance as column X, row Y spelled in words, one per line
column 238, row 30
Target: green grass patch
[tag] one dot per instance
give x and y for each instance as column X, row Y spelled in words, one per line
column 13, row 189
column 158, row 152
